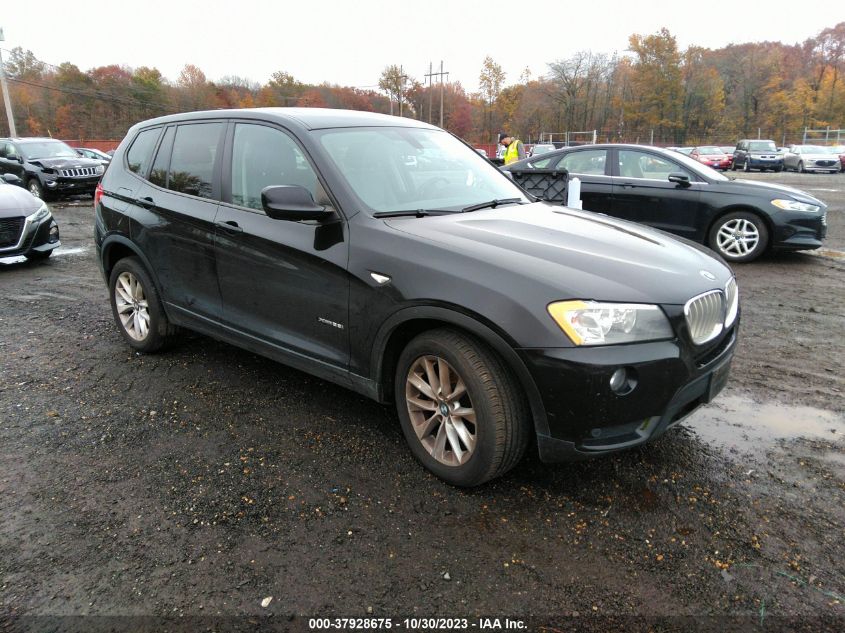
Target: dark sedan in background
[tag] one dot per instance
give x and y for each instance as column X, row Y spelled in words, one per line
column 26, row 225
column 739, row 219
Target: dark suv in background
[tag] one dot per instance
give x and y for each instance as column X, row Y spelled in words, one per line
column 757, row 154
column 387, row 256
column 49, row 168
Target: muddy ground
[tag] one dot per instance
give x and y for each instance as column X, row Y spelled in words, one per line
column 197, row 483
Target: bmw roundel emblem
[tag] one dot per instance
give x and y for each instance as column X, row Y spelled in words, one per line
column 707, row 275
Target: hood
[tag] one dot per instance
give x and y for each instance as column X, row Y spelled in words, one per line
column 15, row 202
column 576, row 254
column 65, row 163
column 757, row 188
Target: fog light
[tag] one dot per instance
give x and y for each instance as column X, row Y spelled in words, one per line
column 618, row 380
column 50, row 183
column 623, row 381
column 54, row 234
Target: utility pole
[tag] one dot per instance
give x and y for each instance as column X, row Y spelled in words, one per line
column 402, row 78
column 431, row 75
column 12, row 132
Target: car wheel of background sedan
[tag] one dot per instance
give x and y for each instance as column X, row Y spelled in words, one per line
column 739, row 236
column 800, row 168
column 462, row 411
column 136, row 307
column 746, row 167
column 35, row 188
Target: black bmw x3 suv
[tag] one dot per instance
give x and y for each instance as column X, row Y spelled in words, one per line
column 387, row 256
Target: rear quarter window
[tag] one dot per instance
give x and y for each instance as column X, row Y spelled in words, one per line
column 140, row 153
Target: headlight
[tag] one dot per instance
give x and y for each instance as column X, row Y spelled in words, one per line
column 732, row 299
column 593, row 323
column 43, row 212
column 99, row 170
column 794, row 205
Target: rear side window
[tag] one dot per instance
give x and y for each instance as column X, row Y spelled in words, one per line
column 158, row 176
column 140, row 154
column 585, row 162
column 193, row 158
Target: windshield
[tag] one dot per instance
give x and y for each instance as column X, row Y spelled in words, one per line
column 406, row 169
column 762, row 146
column 47, row 149
column 709, row 150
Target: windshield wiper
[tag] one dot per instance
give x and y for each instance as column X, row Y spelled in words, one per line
column 492, row 204
column 410, row 213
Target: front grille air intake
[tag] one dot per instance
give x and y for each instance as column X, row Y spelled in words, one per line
column 10, row 231
column 705, row 316
column 78, row 172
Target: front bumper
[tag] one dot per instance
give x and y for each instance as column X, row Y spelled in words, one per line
column 71, row 186
column 586, row 418
column 832, row 166
column 799, row 231
column 39, row 237
column 765, row 163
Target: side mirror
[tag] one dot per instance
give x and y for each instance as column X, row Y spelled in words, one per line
column 679, row 178
column 291, row 202
column 13, row 179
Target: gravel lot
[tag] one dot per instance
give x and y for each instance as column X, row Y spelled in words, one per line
column 197, row 483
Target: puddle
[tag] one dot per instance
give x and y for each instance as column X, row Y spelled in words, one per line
column 733, row 421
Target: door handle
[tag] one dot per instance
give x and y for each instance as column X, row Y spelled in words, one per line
column 230, row 226
column 628, row 185
column 146, row 202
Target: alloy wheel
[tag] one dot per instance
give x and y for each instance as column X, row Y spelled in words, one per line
column 738, row 237
column 441, row 411
column 132, row 306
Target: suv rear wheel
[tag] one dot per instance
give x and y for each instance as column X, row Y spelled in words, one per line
column 462, row 412
column 136, row 307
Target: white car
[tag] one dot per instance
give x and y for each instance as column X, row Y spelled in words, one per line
column 804, row 158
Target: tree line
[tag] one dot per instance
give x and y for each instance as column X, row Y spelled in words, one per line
column 651, row 92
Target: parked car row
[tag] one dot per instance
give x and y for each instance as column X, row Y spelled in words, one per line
column 764, row 155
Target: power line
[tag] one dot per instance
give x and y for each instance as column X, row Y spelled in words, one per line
column 96, row 94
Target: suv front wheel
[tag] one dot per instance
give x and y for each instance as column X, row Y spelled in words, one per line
column 36, row 189
column 136, row 307
column 462, row 411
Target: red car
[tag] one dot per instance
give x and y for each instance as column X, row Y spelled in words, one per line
column 712, row 156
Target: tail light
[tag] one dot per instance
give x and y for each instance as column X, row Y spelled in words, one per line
column 98, row 193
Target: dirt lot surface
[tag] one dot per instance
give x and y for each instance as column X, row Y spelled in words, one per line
column 197, row 483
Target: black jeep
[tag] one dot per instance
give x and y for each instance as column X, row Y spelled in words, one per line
column 49, row 168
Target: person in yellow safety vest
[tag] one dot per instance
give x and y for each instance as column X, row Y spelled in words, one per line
column 514, row 149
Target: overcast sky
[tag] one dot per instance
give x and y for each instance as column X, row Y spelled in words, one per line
column 349, row 43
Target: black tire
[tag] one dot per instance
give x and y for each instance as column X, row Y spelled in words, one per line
column 159, row 333
column 800, row 168
column 727, row 221
column 746, row 167
column 34, row 187
column 502, row 419
column 38, row 256
column 733, row 166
